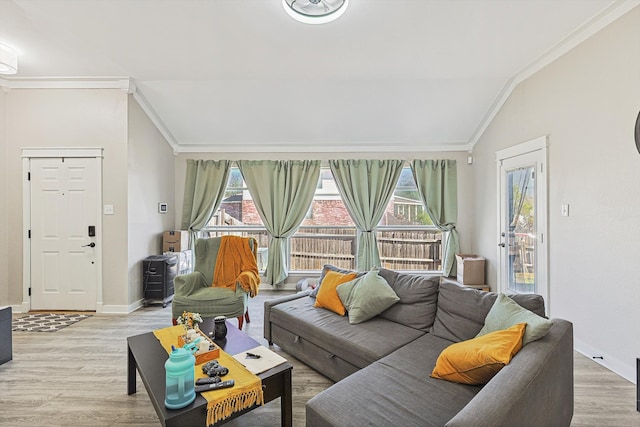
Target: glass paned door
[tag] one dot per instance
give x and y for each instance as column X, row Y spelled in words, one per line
column 522, row 230
column 520, row 236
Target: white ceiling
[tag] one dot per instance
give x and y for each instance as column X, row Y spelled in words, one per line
column 241, row 75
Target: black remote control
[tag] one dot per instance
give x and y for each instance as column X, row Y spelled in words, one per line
column 208, row 380
column 214, row 386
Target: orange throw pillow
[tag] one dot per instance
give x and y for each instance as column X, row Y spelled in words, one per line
column 477, row 360
column 328, row 295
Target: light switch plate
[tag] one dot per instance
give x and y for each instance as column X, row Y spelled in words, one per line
column 108, row 209
column 565, row 209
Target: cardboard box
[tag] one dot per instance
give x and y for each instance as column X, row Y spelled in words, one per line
column 175, row 241
column 470, row 269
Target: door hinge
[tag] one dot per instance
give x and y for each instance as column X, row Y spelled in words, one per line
column 28, row 176
column 29, row 291
column 29, row 234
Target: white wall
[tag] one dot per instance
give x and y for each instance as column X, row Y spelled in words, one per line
column 586, row 102
column 36, row 118
column 4, row 206
column 138, row 172
column 151, row 180
column 465, row 213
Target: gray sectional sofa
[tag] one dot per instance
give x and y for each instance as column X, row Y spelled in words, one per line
column 382, row 367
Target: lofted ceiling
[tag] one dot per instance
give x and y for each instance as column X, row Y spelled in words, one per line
column 241, row 75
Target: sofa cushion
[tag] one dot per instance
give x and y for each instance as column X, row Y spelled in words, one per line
column 358, row 344
column 418, row 299
column 395, row 391
column 366, row 297
column 462, row 310
column 505, row 313
column 477, row 360
column 327, row 268
column 328, row 296
column 211, row 302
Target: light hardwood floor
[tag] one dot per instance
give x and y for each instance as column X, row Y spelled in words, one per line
column 77, row 377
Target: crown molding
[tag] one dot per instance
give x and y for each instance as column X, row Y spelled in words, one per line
column 123, row 83
column 325, row 147
column 605, row 17
column 156, row 120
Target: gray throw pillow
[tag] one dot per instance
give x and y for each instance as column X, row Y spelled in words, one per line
column 462, row 310
column 418, row 295
column 506, row 313
column 366, row 297
column 329, row 267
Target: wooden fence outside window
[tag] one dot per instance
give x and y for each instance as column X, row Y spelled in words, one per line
column 311, row 248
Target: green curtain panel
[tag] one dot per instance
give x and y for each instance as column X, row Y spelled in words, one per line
column 437, row 182
column 282, row 192
column 366, row 186
column 204, row 188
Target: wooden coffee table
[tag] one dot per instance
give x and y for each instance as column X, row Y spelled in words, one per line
column 147, row 356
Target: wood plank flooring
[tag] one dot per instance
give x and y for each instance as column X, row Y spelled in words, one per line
column 77, row 377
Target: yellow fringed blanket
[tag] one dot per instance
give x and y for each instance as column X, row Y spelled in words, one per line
column 236, row 263
column 222, row 403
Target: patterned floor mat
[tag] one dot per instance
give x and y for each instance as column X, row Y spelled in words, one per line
column 46, row 322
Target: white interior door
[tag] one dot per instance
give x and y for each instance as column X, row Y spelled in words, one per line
column 64, row 205
column 522, row 243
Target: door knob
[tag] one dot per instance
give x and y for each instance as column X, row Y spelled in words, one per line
column 91, row 245
column 502, row 245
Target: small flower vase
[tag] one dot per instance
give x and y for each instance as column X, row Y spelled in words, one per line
column 220, row 328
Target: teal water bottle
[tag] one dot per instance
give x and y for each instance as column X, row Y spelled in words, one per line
column 180, row 378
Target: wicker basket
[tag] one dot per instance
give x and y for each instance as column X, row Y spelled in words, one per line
column 206, row 356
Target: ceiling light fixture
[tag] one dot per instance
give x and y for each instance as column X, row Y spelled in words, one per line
column 315, row 11
column 8, row 60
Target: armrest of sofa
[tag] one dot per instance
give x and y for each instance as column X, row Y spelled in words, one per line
column 534, row 389
column 272, row 302
column 186, row 284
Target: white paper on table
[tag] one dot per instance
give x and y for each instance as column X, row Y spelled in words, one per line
column 268, row 359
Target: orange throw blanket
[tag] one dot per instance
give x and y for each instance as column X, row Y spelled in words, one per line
column 236, row 263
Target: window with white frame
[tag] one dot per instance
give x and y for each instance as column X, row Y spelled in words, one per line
column 407, row 240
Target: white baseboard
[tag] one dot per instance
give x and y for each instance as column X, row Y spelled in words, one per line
column 625, row 370
column 100, row 308
column 121, row 309
column 21, row 308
